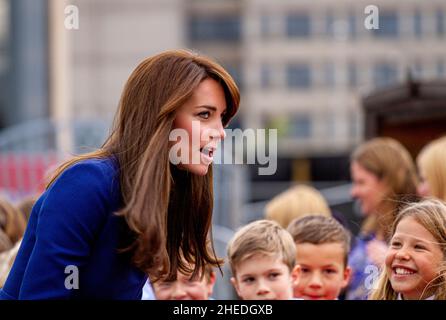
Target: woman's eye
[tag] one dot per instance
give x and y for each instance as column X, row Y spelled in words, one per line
column 204, row 114
column 305, row 270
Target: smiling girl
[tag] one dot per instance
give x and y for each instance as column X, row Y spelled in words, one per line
column 415, row 264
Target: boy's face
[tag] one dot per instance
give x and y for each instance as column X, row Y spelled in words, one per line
column 320, row 274
column 184, row 288
column 263, row 277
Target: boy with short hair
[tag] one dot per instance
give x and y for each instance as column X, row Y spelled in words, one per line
column 262, row 259
column 322, row 246
column 185, row 287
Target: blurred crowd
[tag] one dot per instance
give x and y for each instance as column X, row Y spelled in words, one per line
column 304, row 250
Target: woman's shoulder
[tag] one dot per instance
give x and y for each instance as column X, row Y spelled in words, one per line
column 92, row 171
column 87, row 178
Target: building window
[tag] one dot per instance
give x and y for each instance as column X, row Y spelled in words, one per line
column 265, row 25
column 352, row 26
column 417, row 24
column 265, row 76
column 329, row 24
column 298, row 76
column 441, row 72
column 217, row 28
column 388, row 25
column 300, row 126
column 352, row 75
column 417, row 70
column 298, row 25
column 440, row 23
column 384, row 74
column 235, row 70
column 329, row 75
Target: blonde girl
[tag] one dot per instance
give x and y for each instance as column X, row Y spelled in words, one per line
column 415, row 264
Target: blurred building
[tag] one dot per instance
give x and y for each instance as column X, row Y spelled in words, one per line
column 302, row 65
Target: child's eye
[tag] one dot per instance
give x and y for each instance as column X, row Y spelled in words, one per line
column 274, row 275
column 420, row 247
column 395, row 244
column 305, row 270
column 248, row 280
column 204, row 114
column 330, row 271
column 165, row 284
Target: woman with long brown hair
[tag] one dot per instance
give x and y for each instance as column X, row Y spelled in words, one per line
column 110, row 218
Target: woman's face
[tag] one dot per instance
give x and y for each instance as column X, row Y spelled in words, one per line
column 199, row 127
column 367, row 188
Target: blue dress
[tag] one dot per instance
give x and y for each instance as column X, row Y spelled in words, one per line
column 69, row 249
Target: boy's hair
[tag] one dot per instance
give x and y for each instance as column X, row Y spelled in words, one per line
column 431, row 214
column 320, row 230
column 264, row 237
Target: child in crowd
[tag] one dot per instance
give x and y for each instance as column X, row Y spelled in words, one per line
column 185, row 287
column 415, row 262
column 322, row 246
column 262, row 258
column 12, row 221
column 297, row 202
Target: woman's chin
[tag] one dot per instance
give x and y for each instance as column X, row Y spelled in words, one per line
column 198, row 169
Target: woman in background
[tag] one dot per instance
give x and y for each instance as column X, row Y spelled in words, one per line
column 384, row 178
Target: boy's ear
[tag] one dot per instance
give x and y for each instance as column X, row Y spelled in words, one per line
column 347, row 275
column 211, row 283
column 235, row 284
column 295, row 274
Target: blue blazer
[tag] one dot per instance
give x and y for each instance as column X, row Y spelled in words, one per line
column 70, row 246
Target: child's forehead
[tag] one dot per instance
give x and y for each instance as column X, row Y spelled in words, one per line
column 329, row 249
column 260, row 259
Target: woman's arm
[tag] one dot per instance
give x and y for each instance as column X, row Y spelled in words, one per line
column 70, row 217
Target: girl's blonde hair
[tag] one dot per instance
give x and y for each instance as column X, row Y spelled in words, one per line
column 390, row 162
column 431, row 161
column 431, row 214
column 297, row 202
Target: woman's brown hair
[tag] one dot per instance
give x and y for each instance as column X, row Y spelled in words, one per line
column 169, row 211
column 389, row 161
